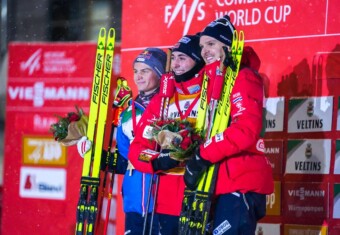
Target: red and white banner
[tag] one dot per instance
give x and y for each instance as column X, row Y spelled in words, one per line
column 298, row 43
column 289, row 36
column 42, row 177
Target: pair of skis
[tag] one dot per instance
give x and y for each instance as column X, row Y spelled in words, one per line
column 196, row 204
column 98, row 132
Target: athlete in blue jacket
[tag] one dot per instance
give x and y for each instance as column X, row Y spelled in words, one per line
column 148, row 67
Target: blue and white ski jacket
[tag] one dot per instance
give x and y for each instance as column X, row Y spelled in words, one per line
column 136, row 184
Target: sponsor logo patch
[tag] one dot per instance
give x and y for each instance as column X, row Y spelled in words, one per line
column 222, row 228
column 209, row 141
column 260, row 145
column 237, row 99
column 219, row 137
column 147, row 154
column 147, row 132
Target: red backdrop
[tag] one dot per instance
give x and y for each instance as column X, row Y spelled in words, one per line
column 299, row 46
column 298, row 43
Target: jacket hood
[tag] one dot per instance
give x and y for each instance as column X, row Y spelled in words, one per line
column 250, row 58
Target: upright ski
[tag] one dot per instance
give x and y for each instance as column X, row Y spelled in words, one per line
column 87, row 205
column 196, row 204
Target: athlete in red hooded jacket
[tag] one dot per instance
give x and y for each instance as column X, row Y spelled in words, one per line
column 245, row 175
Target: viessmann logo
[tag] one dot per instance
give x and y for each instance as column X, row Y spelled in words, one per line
column 39, row 93
column 303, row 193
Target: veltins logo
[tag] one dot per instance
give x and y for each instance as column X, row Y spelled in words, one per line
column 310, row 108
column 308, row 150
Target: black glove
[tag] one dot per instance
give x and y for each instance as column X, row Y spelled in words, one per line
column 164, row 162
column 114, row 162
column 228, row 59
column 194, row 170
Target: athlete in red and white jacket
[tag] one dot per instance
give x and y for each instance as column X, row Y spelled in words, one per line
column 245, row 174
column 186, row 64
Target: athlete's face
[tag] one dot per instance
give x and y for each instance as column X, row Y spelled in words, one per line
column 145, row 78
column 181, row 63
column 212, row 49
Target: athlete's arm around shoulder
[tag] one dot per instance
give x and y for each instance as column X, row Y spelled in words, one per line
column 142, row 148
column 246, row 101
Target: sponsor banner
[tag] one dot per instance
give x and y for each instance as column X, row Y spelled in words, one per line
column 305, row 200
column 30, row 94
column 49, row 77
column 36, row 73
column 273, row 201
column 50, row 61
column 337, row 158
column 275, row 114
column 309, row 156
column 264, row 228
column 43, row 151
column 336, row 201
column 43, row 183
column 295, row 229
column 38, row 122
column 175, row 18
column 313, row 114
column 46, row 80
column 274, row 151
column 338, row 116
column 266, row 24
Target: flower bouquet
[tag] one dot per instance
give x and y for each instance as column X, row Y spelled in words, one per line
column 69, row 129
column 179, row 136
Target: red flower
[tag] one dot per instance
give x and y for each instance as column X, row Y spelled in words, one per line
column 186, row 142
column 183, row 146
column 72, row 117
column 60, row 129
column 184, row 132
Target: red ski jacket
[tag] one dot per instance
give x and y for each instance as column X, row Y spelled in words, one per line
column 239, row 148
column 171, row 183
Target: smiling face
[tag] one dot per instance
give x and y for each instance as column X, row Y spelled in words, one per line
column 212, row 49
column 145, row 78
column 181, row 63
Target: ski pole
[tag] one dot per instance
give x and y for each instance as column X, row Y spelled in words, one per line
column 166, row 91
column 122, row 95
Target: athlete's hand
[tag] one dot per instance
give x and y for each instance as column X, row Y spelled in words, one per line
column 83, row 145
column 164, row 162
column 194, row 170
column 227, row 59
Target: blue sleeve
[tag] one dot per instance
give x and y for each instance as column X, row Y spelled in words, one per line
column 123, row 142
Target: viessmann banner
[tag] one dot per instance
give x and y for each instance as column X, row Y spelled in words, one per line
column 42, row 177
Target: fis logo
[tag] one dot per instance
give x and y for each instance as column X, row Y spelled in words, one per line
column 185, row 12
column 33, row 63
